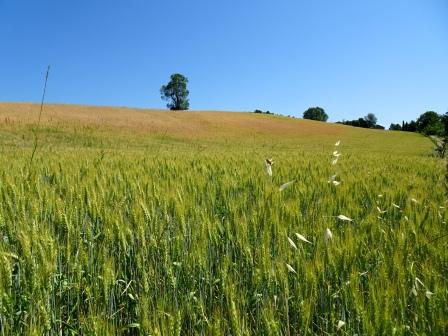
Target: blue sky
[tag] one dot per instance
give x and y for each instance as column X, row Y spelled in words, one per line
column 349, row 57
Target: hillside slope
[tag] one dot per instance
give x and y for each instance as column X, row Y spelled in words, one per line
column 67, row 123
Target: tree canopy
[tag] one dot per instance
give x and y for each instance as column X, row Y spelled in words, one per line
column 395, row 127
column 176, row 92
column 430, row 123
column 315, row 113
column 371, row 120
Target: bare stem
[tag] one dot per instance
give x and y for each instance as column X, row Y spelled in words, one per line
column 40, row 116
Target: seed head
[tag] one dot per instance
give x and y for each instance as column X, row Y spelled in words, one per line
column 328, row 235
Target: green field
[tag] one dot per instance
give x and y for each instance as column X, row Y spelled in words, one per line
column 136, row 222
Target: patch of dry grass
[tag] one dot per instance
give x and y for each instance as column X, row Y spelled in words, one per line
column 132, row 126
column 182, row 124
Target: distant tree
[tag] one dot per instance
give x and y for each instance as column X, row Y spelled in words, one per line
column 409, row 126
column 430, row 123
column 395, row 127
column 370, row 120
column 176, row 92
column 315, row 113
column 362, row 122
column 260, row 111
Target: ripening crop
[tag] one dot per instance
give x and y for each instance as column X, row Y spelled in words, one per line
column 173, row 237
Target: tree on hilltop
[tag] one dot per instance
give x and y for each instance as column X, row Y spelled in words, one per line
column 371, row 120
column 315, row 113
column 176, row 92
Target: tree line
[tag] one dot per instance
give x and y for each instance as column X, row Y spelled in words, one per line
column 319, row 114
column 429, row 123
column 369, row 121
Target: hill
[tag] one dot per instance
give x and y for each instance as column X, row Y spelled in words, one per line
column 115, row 126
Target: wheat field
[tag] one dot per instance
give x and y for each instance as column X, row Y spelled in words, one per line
column 139, row 222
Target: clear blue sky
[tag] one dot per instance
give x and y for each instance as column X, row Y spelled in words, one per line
column 350, row 57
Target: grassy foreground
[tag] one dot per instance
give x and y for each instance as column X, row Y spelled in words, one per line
column 128, row 225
